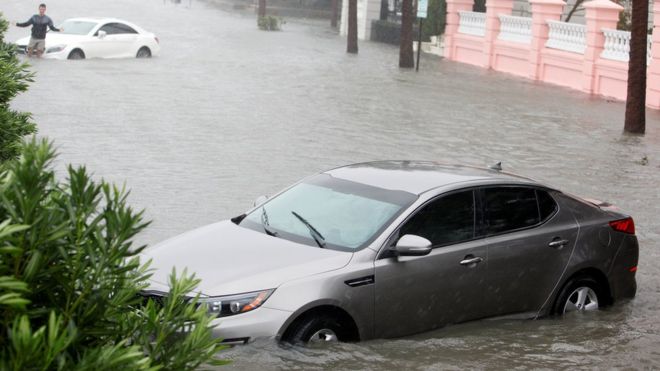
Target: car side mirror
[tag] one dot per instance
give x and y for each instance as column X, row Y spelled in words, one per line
column 101, row 34
column 412, row 245
column 260, row 200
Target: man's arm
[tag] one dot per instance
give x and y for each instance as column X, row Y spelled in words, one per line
column 51, row 26
column 24, row 24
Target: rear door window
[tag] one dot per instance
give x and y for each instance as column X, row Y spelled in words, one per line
column 547, row 205
column 117, row 29
column 510, row 208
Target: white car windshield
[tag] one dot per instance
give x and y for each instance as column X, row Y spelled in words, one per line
column 72, row 27
column 329, row 212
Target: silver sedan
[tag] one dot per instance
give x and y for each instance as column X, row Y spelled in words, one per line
column 393, row 248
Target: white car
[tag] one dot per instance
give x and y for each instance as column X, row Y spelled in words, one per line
column 97, row 38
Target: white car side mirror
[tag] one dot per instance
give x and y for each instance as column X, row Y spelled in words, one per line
column 101, row 34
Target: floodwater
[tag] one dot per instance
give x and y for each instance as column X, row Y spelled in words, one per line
column 228, row 113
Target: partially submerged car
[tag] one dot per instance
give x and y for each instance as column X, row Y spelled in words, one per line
column 392, row 248
column 97, row 38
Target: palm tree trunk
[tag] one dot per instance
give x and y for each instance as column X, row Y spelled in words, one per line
column 635, row 121
column 406, row 59
column 262, row 8
column 352, row 43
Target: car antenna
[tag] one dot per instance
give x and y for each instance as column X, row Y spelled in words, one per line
column 497, row 166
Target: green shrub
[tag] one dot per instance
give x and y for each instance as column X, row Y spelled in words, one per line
column 436, row 19
column 14, row 79
column 70, row 279
column 270, row 23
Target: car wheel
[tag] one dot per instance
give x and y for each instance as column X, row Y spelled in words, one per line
column 144, row 52
column 578, row 295
column 316, row 330
column 76, row 54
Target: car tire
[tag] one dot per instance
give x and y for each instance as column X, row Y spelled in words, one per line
column 582, row 293
column 144, row 52
column 316, row 330
column 76, row 54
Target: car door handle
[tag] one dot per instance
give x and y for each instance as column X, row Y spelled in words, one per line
column 557, row 244
column 471, row 260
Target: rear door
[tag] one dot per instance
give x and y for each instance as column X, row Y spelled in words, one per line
column 415, row 294
column 118, row 42
column 530, row 242
column 125, row 37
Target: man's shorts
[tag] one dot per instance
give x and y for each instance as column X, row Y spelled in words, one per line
column 37, row 44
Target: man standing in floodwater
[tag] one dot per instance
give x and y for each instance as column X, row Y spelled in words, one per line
column 40, row 22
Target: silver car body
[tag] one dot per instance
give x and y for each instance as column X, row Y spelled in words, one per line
column 389, row 296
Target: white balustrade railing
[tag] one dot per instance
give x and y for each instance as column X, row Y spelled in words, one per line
column 472, row 23
column 516, row 29
column 617, row 46
column 571, row 37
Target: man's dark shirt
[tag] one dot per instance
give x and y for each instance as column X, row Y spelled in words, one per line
column 39, row 25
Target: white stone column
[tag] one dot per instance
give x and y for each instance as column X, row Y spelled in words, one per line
column 368, row 10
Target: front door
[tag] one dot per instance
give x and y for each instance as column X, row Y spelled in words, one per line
column 415, row 294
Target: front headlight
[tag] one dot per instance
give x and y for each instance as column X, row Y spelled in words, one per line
column 229, row 305
column 55, row 49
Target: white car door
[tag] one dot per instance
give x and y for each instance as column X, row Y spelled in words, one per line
column 94, row 45
column 122, row 38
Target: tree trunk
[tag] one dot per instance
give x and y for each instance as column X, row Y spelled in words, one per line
column 384, row 10
column 635, row 121
column 352, row 40
column 335, row 12
column 262, row 8
column 573, row 9
column 406, row 59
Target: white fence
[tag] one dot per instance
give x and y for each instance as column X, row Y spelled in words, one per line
column 515, row 29
column 571, row 37
column 472, row 23
column 617, row 45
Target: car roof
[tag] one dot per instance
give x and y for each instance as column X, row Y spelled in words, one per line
column 418, row 177
column 97, row 19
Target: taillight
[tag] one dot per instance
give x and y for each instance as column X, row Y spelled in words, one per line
column 624, row 225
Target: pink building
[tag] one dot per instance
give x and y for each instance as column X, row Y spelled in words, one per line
column 592, row 58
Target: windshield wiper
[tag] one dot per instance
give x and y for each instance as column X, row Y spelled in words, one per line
column 265, row 223
column 318, row 237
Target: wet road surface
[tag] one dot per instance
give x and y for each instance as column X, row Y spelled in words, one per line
column 228, row 113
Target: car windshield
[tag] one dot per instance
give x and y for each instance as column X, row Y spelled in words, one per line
column 72, row 27
column 328, row 212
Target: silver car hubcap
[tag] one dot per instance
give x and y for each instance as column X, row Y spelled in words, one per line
column 581, row 299
column 324, row 336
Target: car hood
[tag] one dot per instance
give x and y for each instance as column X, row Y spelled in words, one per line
column 54, row 38
column 230, row 259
